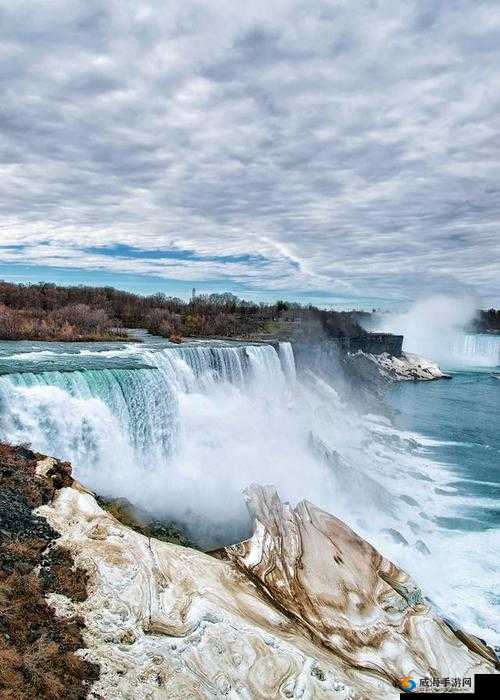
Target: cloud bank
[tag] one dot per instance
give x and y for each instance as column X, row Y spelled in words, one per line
column 345, row 147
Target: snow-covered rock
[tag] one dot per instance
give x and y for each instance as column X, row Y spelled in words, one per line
column 407, row 367
column 303, row 609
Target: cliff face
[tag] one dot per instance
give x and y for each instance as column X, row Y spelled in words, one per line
column 363, row 377
column 374, row 343
column 303, row 609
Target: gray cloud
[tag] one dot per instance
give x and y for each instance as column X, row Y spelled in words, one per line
column 350, row 147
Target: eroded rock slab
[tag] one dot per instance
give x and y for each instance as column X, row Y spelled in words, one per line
column 165, row 621
column 357, row 604
column 304, row 609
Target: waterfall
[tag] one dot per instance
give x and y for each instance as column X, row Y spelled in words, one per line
column 181, row 430
column 185, row 433
column 480, row 349
column 455, row 349
column 114, row 422
column 287, row 359
column 434, row 326
column 168, row 436
column 217, row 363
column 63, row 412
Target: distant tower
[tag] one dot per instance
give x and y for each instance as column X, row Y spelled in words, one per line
column 193, row 294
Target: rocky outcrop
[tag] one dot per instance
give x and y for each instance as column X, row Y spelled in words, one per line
column 385, row 367
column 303, row 609
column 164, row 621
column 365, row 610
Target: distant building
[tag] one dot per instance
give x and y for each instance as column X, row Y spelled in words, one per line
column 193, row 294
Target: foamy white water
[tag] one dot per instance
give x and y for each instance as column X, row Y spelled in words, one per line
column 185, row 437
column 476, row 349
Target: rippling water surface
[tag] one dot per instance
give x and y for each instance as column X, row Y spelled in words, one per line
column 458, row 424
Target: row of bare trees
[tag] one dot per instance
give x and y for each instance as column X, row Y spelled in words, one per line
column 72, row 322
column 48, row 312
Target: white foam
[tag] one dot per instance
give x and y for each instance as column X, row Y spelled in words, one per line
column 34, row 355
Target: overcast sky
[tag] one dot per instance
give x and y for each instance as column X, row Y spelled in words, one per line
column 336, row 149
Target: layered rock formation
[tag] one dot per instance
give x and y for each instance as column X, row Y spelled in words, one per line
column 303, row 609
column 352, row 600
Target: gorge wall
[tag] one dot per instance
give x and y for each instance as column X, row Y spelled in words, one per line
column 372, row 343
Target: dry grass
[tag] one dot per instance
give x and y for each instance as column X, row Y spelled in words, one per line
column 37, row 649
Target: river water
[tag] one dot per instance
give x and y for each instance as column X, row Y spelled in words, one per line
column 182, row 429
column 457, row 424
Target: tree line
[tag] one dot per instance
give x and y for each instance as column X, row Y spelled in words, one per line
column 50, row 312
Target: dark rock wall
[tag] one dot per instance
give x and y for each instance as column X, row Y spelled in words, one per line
column 374, row 343
column 359, row 384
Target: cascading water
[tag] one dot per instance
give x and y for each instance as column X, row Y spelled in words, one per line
column 287, row 359
column 456, row 349
column 476, row 349
column 184, row 429
column 83, row 416
column 80, row 415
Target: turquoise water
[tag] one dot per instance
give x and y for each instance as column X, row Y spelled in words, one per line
column 462, row 416
column 457, row 425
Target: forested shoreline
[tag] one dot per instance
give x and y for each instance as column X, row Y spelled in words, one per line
column 49, row 312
